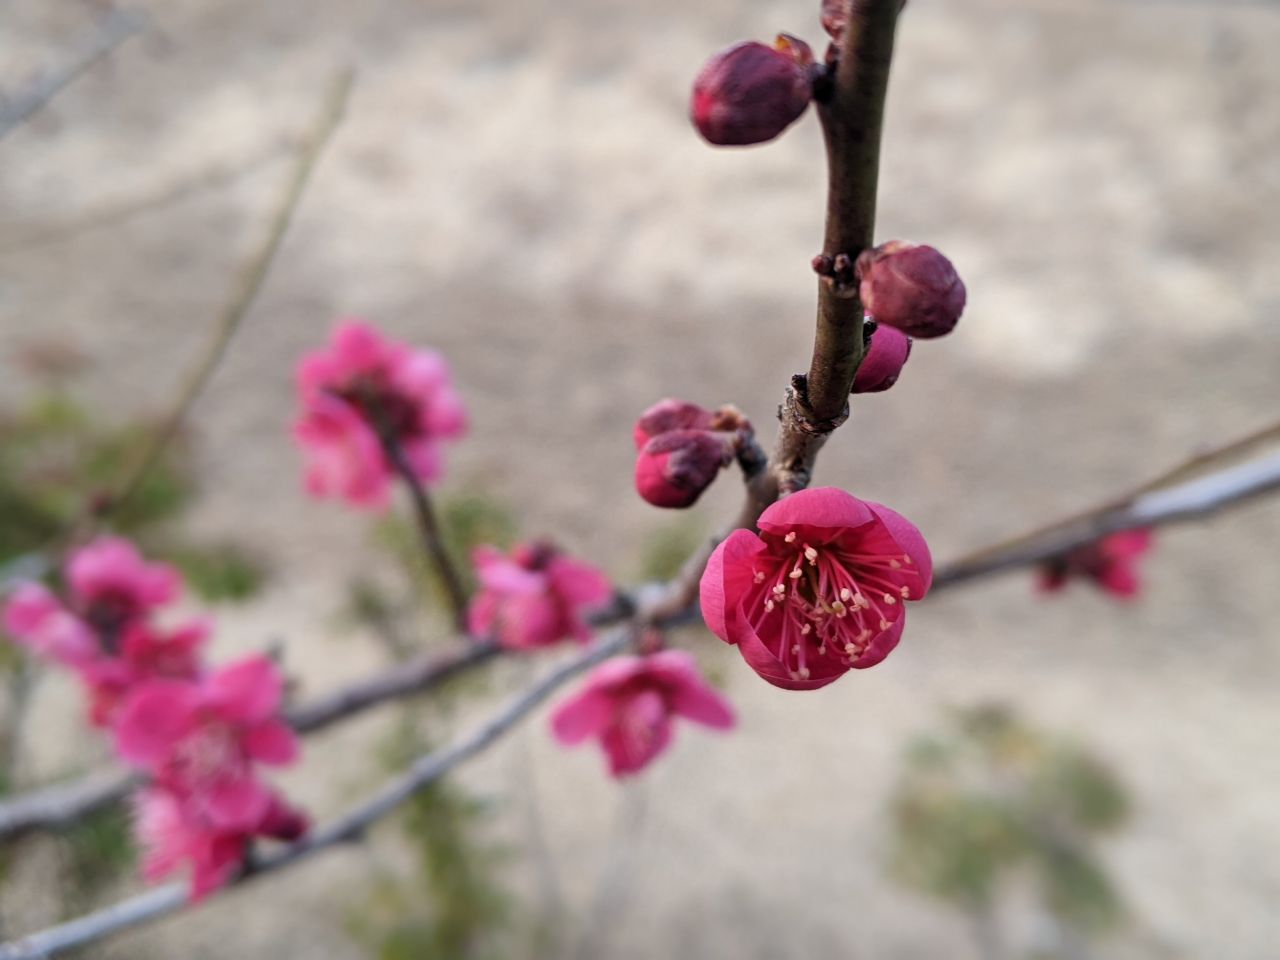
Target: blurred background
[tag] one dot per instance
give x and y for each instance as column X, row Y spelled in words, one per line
column 517, row 186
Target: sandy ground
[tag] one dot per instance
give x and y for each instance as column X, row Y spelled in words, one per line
column 517, row 185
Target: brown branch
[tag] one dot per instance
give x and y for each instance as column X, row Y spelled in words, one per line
column 246, row 290
column 852, row 112
column 429, row 530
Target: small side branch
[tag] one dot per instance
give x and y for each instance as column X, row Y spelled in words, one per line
column 431, row 534
column 246, row 290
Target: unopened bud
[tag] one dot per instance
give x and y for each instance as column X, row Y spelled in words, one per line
column 883, row 361
column 670, row 414
column 914, row 288
column 675, row 467
column 751, row 92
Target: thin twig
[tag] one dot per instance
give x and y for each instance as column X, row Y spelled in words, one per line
column 350, row 826
column 429, row 529
column 155, row 198
column 114, row 29
column 244, row 294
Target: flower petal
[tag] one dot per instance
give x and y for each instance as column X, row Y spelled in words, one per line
column 247, row 691
column 882, row 645
column 818, row 508
column 726, row 580
column 583, row 715
column 154, row 719
column 272, row 743
column 908, row 536
column 237, row 801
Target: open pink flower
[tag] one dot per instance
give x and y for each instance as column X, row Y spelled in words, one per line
column 822, row 588
column 103, row 629
column 201, row 740
column 629, row 703
column 535, row 596
column 171, row 833
column 362, row 387
column 1112, row 563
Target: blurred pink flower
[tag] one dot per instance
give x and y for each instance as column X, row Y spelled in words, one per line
column 1112, row 563
column 200, row 740
column 102, row 630
column 362, row 385
column 535, row 596
column 629, row 702
column 36, row 618
column 820, row 590
column 171, row 833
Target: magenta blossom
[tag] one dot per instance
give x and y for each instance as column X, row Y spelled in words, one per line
column 363, row 388
column 201, row 740
column 820, row 590
column 629, row 703
column 170, row 834
column 102, row 629
column 1111, row 562
column 535, row 596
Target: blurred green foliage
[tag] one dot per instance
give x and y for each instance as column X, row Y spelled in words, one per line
column 992, row 800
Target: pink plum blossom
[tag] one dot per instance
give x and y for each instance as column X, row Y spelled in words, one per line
column 102, row 629
column 629, row 702
column 359, row 389
column 1112, row 563
column 201, row 740
column 820, row 590
column 682, row 447
column 170, row 834
column 535, row 596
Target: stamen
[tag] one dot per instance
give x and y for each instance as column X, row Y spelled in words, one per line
column 759, row 576
column 811, row 555
column 779, row 589
column 796, row 574
column 790, row 537
column 839, row 609
column 804, row 673
column 768, row 606
column 846, row 594
column 806, row 629
column 895, row 565
column 890, row 599
column 884, row 624
column 906, row 593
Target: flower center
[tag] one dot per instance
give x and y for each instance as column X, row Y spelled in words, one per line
column 825, row 602
column 208, row 752
column 389, row 411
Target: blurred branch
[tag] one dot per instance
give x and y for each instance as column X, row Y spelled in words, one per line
column 120, row 211
column 350, row 826
column 429, row 528
column 245, row 292
column 1158, row 503
column 111, row 31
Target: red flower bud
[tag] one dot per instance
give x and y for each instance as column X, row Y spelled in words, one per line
column 913, row 288
column 669, row 414
column 883, row 360
column 750, row 92
column 675, row 467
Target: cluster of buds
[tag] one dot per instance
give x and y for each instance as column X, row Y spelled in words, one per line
column 198, row 733
column 682, row 447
